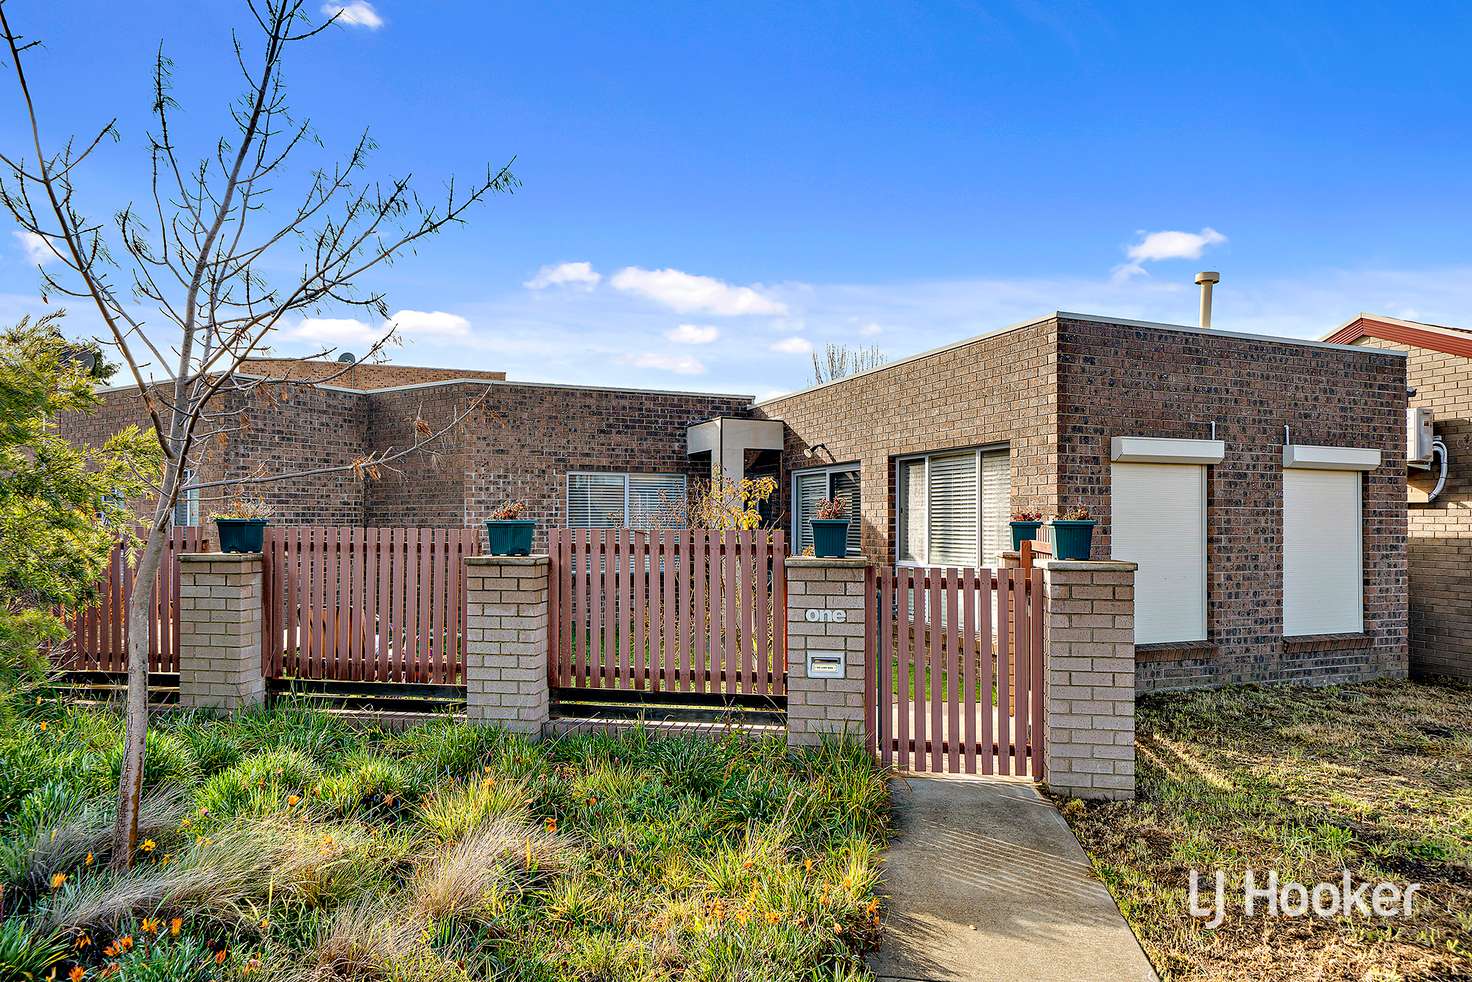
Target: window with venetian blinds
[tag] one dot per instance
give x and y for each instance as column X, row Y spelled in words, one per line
column 953, row 508
column 814, row 485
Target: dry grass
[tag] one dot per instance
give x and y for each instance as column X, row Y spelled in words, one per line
column 1373, row 778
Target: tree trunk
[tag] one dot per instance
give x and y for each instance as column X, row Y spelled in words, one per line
column 130, row 780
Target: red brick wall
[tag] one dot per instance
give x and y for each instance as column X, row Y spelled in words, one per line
column 364, row 375
column 1122, row 380
column 1440, row 545
column 998, row 389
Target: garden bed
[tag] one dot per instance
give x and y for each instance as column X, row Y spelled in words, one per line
column 288, row 844
column 1373, row 778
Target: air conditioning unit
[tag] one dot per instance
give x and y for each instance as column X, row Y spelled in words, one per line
column 1419, row 437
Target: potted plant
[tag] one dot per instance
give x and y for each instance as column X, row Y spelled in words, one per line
column 830, row 528
column 507, row 533
column 1025, row 525
column 1073, row 534
column 242, row 525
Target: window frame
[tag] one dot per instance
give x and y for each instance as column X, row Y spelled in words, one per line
column 978, row 451
column 188, row 499
column 625, row 475
column 828, row 470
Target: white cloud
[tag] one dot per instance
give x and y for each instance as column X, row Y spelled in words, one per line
column 36, row 248
column 359, row 13
column 430, row 323
column 687, row 293
column 792, row 346
column 579, row 275
column 335, row 331
column 693, row 334
column 1155, row 246
column 679, row 364
column 871, row 329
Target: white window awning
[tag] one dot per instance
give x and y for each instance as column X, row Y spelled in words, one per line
column 1304, row 456
column 1165, row 450
column 727, row 438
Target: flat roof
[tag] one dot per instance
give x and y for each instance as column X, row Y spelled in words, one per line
column 1090, row 318
column 328, row 387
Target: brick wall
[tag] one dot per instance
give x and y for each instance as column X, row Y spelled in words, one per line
column 818, row 706
column 998, row 389
column 506, row 641
column 1440, row 543
column 220, row 631
column 364, row 375
column 1130, row 380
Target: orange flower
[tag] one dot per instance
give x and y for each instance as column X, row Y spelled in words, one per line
column 83, row 941
column 77, row 973
column 125, row 943
column 221, row 955
column 43, row 726
column 111, row 950
column 88, row 860
column 58, row 880
column 292, row 799
column 551, row 824
column 148, row 845
column 773, row 917
column 174, row 926
column 150, row 924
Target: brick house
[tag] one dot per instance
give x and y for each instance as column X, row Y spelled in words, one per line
column 1260, row 483
column 1439, row 370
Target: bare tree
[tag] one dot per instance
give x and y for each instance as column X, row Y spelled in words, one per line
column 200, row 297
column 840, row 361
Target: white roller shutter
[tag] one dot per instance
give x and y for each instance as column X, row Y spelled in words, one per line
column 653, row 495
column 954, row 510
column 846, row 483
column 1158, row 520
column 595, row 501
column 1323, row 579
column 912, row 511
column 996, row 506
column 807, row 491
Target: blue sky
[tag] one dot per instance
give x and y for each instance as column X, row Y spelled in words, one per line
column 710, row 190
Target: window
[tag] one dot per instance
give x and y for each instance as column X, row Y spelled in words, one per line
column 1158, row 520
column 953, row 508
column 1323, row 578
column 812, row 486
column 605, row 501
column 186, row 506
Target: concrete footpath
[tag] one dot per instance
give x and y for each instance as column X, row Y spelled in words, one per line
column 985, row 881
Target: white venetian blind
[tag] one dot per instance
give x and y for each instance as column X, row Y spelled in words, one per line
column 595, row 501
column 653, row 495
column 846, row 483
column 1323, row 580
column 1158, row 520
column 809, row 490
column 996, row 506
column 954, row 510
column 912, row 511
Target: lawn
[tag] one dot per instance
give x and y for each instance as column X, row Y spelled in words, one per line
column 286, row 844
column 1373, row 778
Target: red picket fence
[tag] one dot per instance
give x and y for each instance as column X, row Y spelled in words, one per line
column 366, row 604
column 99, row 634
column 956, row 670
column 668, row 611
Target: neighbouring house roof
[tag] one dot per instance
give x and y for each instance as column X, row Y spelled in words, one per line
column 1451, row 340
column 1070, row 315
column 363, row 375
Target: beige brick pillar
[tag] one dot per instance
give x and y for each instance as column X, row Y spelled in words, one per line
column 825, row 617
column 1089, row 677
column 506, row 641
column 220, row 600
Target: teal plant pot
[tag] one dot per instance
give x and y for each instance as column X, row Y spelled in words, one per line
column 510, row 537
column 830, row 537
column 1022, row 531
column 242, row 534
column 1072, row 539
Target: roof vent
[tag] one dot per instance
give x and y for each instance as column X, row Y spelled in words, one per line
column 1206, row 280
column 347, row 358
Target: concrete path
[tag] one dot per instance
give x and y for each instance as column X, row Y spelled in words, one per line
column 985, row 881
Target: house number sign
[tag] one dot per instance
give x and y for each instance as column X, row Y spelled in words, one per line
column 817, row 615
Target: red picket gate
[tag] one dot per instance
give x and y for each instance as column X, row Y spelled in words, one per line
column 366, row 604
column 956, row 670
column 668, row 611
column 99, row 634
